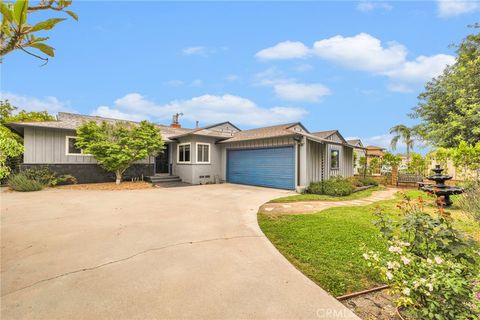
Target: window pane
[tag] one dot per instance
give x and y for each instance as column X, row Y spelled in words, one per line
column 187, row 153
column 181, row 156
column 71, row 146
column 334, row 159
column 200, row 153
column 205, row 153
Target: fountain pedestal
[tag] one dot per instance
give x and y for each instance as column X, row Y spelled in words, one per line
column 440, row 189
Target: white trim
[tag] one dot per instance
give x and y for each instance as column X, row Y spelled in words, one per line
column 74, row 154
column 209, row 152
column 178, row 152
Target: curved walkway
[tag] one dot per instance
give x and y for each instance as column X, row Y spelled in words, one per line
column 302, row 207
column 193, row 252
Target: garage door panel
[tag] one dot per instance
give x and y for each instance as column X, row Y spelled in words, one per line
column 268, row 167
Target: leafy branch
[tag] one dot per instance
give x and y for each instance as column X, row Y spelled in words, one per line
column 16, row 33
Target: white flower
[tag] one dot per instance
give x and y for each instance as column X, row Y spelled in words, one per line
column 395, row 249
column 405, row 260
column 366, row 256
column 429, row 286
column 429, row 261
column 415, row 284
column 406, row 291
column 404, row 244
column 438, row 260
column 423, row 280
column 389, row 275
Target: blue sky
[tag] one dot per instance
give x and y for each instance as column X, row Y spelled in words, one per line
column 353, row 66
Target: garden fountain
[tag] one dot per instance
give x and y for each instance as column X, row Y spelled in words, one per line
column 440, row 189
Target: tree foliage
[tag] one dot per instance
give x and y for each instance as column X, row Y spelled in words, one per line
column 117, row 146
column 11, row 144
column 16, row 33
column 450, row 105
column 404, row 133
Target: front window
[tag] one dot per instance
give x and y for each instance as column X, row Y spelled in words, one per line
column 203, row 152
column 184, row 153
column 334, row 159
column 71, row 148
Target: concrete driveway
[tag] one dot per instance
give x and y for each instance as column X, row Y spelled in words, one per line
column 189, row 252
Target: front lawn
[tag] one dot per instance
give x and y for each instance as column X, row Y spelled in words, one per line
column 322, row 197
column 326, row 246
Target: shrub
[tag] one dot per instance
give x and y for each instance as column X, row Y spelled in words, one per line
column 356, row 182
column 48, row 178
column 21, row 182
column 469, row 201
column 336, row 186
column 368, row 181
column 430, row 266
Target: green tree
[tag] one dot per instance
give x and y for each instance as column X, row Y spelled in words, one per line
column 449, row 107
column 374, row 165
column 16, row 33
column 466, row 157
column 391, row 160
column 405, row 134
column 11, row 144
column 418, row 164
column 117, row 146
column 362, row 162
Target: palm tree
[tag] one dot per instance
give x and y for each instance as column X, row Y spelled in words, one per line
column 406, row 134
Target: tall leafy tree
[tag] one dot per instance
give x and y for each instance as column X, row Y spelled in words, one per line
column 404, row 133
column 16, row 33
column 450, row 105
column 117, row 146
column 11, row 144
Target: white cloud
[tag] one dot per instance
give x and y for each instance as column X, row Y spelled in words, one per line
column 366, row 53
column 368, row 6
column 284, row 50
column 361, row 52
column 205, row 108
column 449, row 8
column 48, row 103
column 107, row 112
column 199, row 51
column 301, row 92
column 289, row 88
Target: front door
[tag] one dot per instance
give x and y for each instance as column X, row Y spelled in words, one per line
column 161, row 161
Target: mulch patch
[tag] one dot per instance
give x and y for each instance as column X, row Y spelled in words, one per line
column 126, row 185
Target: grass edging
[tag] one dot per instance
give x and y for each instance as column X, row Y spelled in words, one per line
column 320, row 197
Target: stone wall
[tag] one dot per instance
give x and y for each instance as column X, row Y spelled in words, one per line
column 91, row 173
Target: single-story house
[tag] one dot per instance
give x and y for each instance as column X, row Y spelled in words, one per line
column 359, row 151
column 285, row 156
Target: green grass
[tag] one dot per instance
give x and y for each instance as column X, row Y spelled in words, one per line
column 326, row 246
column 321, row 197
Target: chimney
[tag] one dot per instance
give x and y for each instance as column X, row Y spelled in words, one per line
column 175, row 122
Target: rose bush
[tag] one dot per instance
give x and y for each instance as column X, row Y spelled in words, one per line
column 432, row 269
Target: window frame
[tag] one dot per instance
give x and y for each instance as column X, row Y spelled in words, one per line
column 178, row 153
column 67, row 151
column 338, row 159
column 209, row 152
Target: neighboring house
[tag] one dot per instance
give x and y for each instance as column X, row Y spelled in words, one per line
column 375, row 152
column 284, row 156
column 359, row 152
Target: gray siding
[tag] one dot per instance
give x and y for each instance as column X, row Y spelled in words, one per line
column 192, row 172
column 47, row 146
column 318, row 156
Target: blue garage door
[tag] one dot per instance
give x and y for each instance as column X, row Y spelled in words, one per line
column 267, row 167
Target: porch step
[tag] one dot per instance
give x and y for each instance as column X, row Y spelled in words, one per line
column 164, row 178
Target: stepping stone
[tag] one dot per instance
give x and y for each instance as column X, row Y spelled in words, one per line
column 308, row 206
column 268, row 209
column 286, row 206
